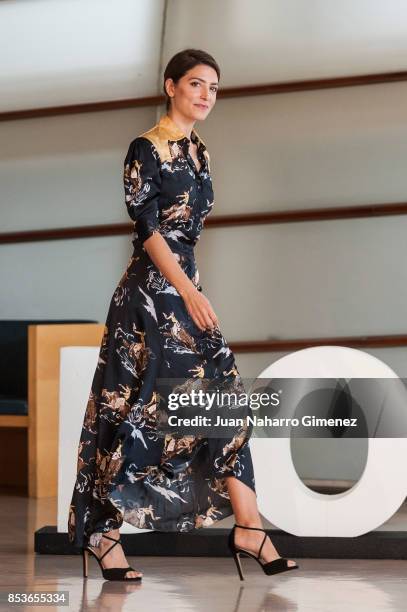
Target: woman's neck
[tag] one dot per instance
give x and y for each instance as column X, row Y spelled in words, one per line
column 182, row 122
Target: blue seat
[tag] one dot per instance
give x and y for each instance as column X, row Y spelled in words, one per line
column 14, row 362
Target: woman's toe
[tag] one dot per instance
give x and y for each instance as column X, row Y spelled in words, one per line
column 133, row 574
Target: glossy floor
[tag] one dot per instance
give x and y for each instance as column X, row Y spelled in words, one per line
column 194, row 583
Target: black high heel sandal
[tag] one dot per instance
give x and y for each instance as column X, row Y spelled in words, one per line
column 272, row 567
column 113, row 573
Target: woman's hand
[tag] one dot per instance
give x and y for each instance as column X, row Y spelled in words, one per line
column 200, row 309
column 196, row 303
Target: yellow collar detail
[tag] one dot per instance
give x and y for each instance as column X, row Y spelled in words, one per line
column 173, row 132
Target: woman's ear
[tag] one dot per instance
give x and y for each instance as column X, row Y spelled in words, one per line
column 169, row 87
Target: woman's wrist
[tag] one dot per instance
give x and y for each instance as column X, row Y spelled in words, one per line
column 186, row 288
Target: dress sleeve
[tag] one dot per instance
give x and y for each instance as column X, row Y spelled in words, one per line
column 142, row 185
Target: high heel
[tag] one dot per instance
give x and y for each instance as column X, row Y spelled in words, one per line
column 113, row 573
column 272, row 567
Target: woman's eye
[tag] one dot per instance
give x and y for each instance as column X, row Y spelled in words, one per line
column 214, row 89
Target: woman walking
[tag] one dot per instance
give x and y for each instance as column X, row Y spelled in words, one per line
column 161, row 325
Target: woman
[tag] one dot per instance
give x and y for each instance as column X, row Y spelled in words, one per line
column 159, row 325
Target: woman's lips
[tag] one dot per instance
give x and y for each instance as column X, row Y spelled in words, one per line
column 201, row 106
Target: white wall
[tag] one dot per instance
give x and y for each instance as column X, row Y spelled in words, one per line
column 66, row 51
column 66, row 171
column 278, row 40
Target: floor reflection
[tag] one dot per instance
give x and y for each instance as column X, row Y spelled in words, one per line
column 196, row 583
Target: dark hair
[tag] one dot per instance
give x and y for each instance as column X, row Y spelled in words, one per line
column 183, row 61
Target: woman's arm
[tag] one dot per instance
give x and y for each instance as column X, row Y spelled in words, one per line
column 196, row 303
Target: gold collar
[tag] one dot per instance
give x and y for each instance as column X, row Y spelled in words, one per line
column 173, row 132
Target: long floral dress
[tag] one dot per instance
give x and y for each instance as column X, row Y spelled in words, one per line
column 125, row 470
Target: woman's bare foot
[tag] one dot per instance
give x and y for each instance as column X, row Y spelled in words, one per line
column 251, row 540
column 115, row 557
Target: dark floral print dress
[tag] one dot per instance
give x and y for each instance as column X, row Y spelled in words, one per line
column 125, row 470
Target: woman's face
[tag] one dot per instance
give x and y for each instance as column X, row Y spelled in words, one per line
column 195, row 93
